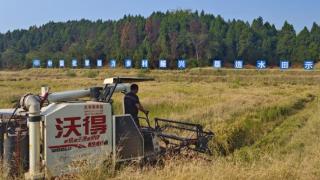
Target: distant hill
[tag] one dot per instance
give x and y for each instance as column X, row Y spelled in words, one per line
column 197, row 37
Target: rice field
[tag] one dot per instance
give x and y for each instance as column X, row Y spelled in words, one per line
column 266, row 122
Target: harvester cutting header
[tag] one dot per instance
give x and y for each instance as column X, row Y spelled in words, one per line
column 58, row 133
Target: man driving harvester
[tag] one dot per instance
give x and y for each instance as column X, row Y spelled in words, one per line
column 132, row 104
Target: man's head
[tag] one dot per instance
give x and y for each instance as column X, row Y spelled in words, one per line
column 134, row 88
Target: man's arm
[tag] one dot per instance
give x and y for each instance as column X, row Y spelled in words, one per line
column 140, row 107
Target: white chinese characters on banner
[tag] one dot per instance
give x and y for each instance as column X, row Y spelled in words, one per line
column 217, row 64
column 99, row 63
column 163, row 63
column 308, row 65
column 238, row 64
column 36, row 63
column 87, row 63
column 181, row 64
column 61, row 63
column 49, row 63
column 261, row 64
column 128, row 63
column 284, row 64
column 144, row 63
column 113, row 63
column 74, row 63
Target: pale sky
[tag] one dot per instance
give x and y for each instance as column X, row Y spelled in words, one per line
column 21, row 14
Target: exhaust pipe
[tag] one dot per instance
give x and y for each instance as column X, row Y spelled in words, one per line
column 31, row 103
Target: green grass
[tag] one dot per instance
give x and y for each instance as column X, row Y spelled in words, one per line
column 266, row 122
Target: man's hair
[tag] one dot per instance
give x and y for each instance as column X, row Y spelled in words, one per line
column 134, row 87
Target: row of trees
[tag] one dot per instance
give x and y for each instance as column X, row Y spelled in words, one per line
column 197, row 37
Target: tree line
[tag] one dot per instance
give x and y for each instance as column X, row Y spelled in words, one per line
column 181, row 34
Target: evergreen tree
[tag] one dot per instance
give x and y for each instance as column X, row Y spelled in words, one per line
column 315, row 42
column 286, row 42
column 302, row 50
column 195, row 36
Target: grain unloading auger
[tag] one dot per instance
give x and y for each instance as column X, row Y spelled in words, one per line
column 61, row 133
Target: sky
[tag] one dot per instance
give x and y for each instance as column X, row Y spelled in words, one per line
column 21, row 14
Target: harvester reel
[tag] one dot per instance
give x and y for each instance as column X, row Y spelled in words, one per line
column 176, row 136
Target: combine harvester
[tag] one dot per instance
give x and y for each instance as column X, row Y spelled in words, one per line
column 59, row 133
